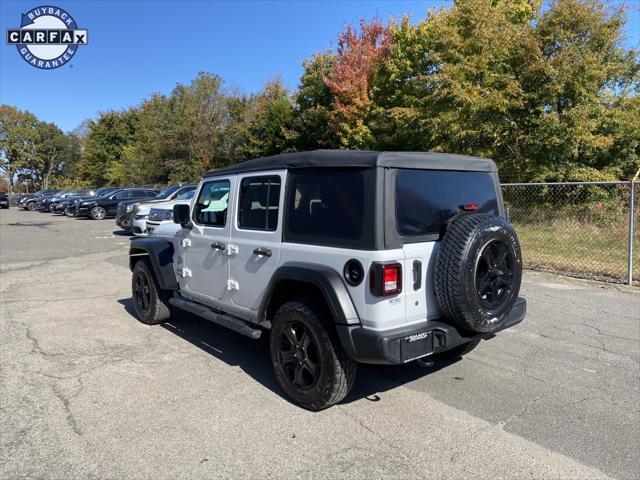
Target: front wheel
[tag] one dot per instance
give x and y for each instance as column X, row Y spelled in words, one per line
column 310, row 364
column 98, row 213
column 31, row 206
column 151, row 303
column 69, row 212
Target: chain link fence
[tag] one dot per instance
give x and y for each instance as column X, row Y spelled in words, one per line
column 583, row 229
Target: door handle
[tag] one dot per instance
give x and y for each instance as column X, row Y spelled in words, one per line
column 218, row 246
column 263, row 252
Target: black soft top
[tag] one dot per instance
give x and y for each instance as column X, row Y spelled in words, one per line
column 362, row 159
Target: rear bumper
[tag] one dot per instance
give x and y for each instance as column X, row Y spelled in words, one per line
column 401, row 345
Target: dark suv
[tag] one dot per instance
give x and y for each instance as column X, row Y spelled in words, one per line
column 103, row 207
column 50, row 203
column 66, row 205
column 30, row 201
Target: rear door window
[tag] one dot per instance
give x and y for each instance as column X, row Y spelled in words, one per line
column 258, row 203
column 327, row 206
column 426, row 199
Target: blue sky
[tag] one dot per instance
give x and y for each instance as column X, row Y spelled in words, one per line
column 140, row 47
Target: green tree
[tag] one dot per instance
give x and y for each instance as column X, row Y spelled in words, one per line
column 314, row 106
column 180, row 136
column 54, row 150
column 18, row 137
column 547, row 95
column 102, row 158
column 271, row 121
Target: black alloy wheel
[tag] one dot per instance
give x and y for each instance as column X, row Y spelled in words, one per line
column 308, row 359
column 494, row 274
column 151, row 304
column 299, row 356
column 478, row 272
column 142, row 292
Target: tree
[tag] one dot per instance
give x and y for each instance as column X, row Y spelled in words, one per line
column 549, row 95
column 359, row 53
column 314, row 106
column 102, row 157
column 271, row 121
column 53, row 150
column 18, row 139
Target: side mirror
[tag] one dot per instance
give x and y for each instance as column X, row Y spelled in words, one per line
column 181, row 215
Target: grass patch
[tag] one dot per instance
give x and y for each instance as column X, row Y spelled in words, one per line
column 578, row 248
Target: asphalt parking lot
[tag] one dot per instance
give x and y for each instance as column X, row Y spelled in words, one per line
column 89, row 392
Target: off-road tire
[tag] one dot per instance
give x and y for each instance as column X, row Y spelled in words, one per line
column 337, row 371
column 98, row 213
column 158, row 309
column 466, row 252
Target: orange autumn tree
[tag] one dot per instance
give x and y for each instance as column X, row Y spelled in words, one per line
column 350, row 78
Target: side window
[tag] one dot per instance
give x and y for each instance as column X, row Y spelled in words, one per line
column 258, row 203
column 121, row 195
column 150, row 193
column 211, row 207
column 326, row 205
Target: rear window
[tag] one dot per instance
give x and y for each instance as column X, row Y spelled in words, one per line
column 327, row 206
column 426, row 199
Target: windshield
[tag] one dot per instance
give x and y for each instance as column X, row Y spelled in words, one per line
column 187, row 195
column 167, row 191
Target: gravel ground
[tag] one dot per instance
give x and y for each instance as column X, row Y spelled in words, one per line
column 86, row 391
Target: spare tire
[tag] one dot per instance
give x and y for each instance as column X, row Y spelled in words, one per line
column 478, row 272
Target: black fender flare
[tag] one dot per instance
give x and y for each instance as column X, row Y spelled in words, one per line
column 326, row 279
column 160, row 254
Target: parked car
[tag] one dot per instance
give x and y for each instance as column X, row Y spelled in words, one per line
column 4, row 200
column 65, row 205
column 103, row 207
column 128, row 209
column 150, row 217
column 73, row 204
column 50, row 204
column 30, row 202
column 343, row 257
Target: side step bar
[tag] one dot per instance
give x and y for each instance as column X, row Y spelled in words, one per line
column 228, row 321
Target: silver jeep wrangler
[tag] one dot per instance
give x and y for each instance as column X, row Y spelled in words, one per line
column 341, row 257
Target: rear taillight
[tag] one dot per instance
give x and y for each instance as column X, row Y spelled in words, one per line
column 385, row 279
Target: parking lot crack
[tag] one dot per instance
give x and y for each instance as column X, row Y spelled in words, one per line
column 600, row 332
column 35, row 343
column 65, row 401
column 380, row 437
